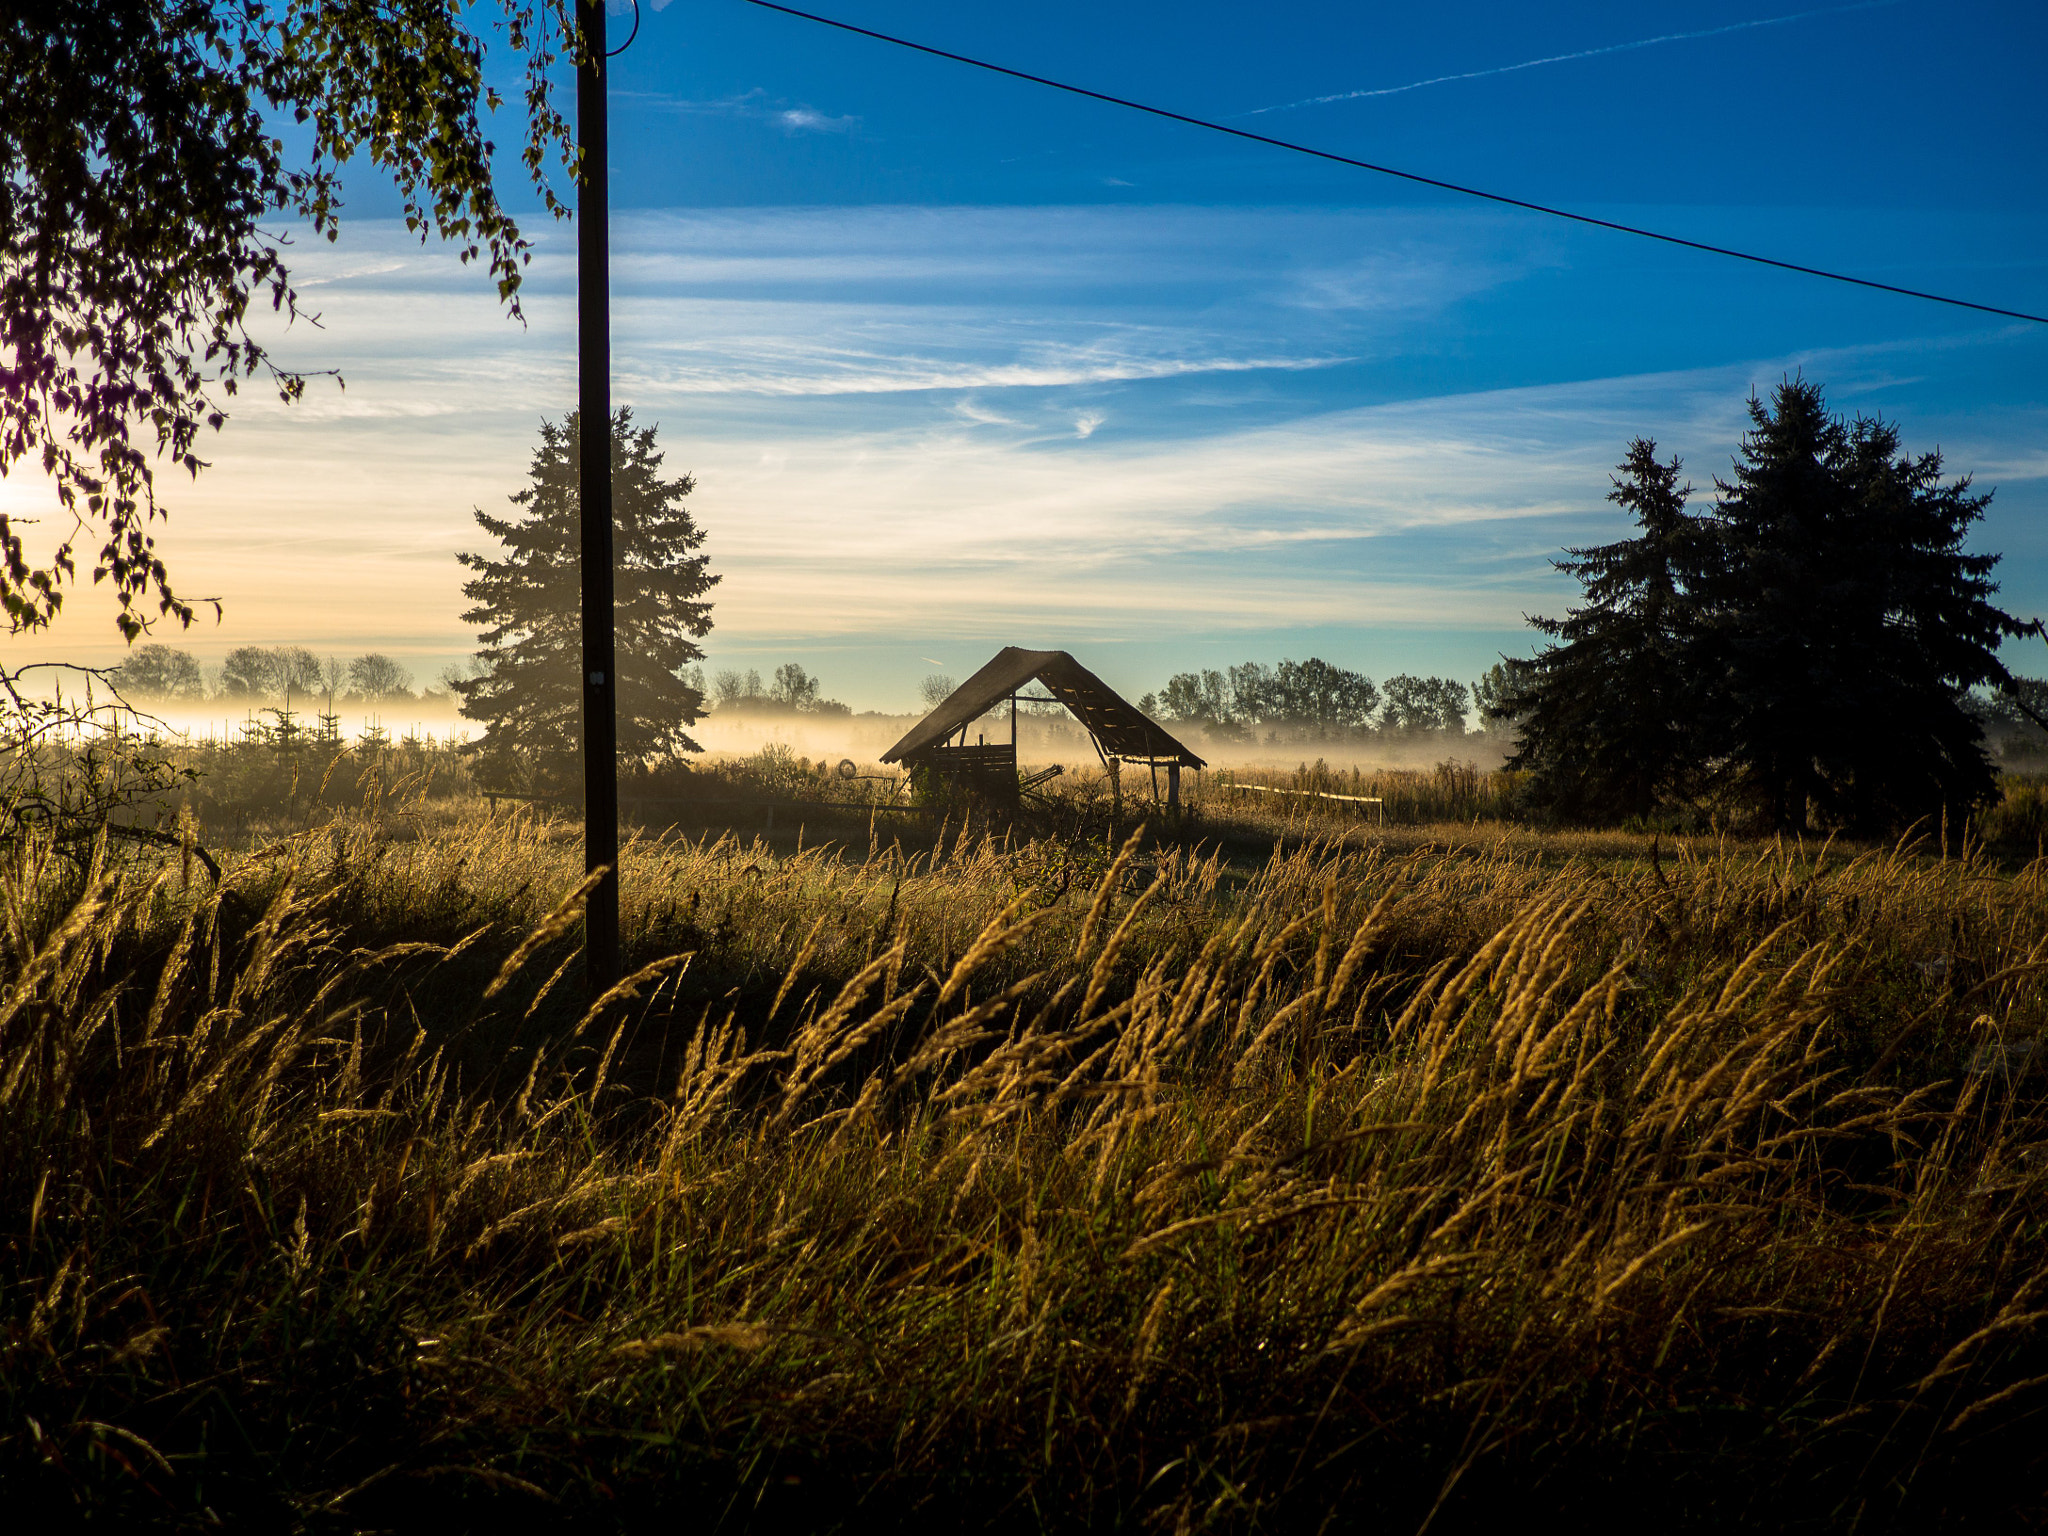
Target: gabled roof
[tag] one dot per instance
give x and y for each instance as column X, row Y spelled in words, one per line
column 1117, row 726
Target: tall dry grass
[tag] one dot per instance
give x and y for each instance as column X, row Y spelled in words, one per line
column 1021, row 1187
column 1448, row 791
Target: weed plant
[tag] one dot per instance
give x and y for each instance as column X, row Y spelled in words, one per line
column 1024, row 1186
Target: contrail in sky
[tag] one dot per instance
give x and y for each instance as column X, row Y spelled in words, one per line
column 1585, row 53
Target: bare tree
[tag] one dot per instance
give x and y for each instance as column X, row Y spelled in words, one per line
column 377, row 677
column 264, row 672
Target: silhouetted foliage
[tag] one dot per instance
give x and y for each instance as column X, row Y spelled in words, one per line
column 1845, row 619
column 528, row 690
column 141, row 151
column 1424, row 704
column 794, row 687
column 1608, row 717
column 267, row 672
column 1305, row 696
column 793, row 692
column 1493, row 694
column 1197, row 697
column 377, row 677
column 80, row 767
column 735, row 689
column 1805, row 652
column 156, row 671
column 1320, row 697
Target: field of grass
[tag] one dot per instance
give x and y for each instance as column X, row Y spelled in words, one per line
column 1260, row 1174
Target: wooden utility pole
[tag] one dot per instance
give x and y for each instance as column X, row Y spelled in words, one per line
column 594, row 405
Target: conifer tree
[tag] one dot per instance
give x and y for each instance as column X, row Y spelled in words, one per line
column 1607, row 715
column 1807, row 651
column 527, row 690
column 1849, row 622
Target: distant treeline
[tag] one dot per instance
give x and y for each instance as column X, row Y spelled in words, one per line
column 1315, row 698
column 256, row 674
column 253, row 674
column 792, row 691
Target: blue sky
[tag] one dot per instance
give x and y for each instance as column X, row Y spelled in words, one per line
column 959, row 361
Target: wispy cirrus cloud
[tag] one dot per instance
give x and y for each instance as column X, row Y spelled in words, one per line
column 1091, row 426
column 1565, row 58
column 971, row 409
column 797, row 366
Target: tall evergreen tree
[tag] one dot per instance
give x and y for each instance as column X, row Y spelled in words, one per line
column 527, row 692
column 1606, row 714
column 1849, row 621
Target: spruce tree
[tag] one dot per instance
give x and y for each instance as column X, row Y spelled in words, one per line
column 1849, row 621
column 1607, row 714
column 527, row 692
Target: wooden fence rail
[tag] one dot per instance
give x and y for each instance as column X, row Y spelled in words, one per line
column 1319, row 794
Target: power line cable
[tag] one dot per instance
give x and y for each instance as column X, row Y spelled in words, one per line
column 1388, row 170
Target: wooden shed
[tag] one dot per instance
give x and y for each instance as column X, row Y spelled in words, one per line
column 1119, row 731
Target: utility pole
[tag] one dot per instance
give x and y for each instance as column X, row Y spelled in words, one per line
column 594, row 405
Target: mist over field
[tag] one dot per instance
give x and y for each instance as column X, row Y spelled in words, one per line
column 863, row 738
column 1043, row 740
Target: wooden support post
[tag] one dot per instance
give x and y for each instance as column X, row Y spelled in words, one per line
column 594, row 493
column 1173, row 786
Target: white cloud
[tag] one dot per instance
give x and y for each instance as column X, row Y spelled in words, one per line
column 756, row 105
column 2007, row 471
column 764, row 364
column 809, row 119
column 893, row 415
column 973, row 410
